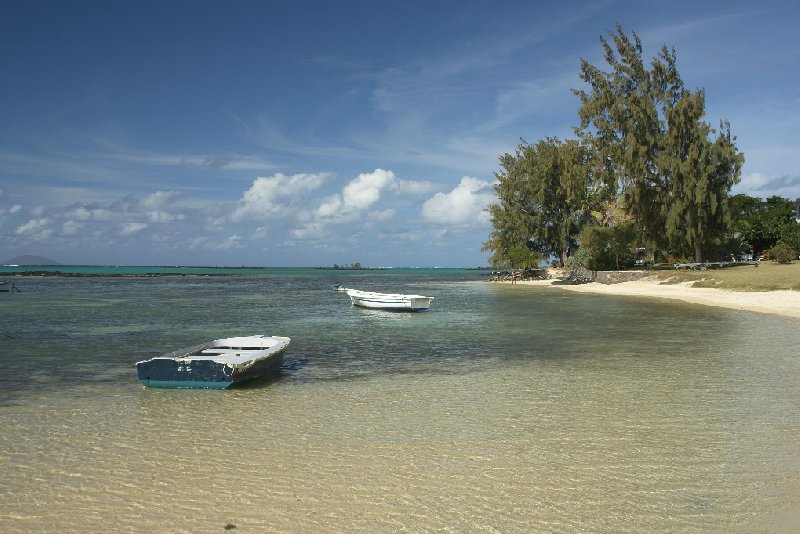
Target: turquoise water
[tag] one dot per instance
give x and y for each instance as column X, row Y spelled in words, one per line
column 503, row 408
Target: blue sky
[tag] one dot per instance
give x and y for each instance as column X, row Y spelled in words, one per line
column 309, row 133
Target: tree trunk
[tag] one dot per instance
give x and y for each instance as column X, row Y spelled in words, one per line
column 698, row 254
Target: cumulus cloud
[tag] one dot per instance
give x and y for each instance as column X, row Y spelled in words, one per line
column 463, row 206
column 364, row 191
column 16, row 208
column 330, row 206
column 276, row 195
column 35, row 229
column 32, row 226
column 90, row 213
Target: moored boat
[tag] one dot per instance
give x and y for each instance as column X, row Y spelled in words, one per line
column 387, row 301
column 7, row 287
column 216, row 364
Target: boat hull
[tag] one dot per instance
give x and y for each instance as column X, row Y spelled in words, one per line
column 186, row 368
column 383, row 301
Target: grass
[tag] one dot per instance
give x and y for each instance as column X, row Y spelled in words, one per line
column 769, row 276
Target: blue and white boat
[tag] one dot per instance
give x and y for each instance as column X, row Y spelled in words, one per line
column 216, row 364
column 387, row 301
column 7, row 287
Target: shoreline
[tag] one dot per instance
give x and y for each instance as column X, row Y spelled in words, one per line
column 781, row 302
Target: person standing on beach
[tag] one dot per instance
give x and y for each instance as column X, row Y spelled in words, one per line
column 514, row 276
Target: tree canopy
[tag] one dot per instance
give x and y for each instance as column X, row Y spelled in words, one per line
column 672, row 179
column 762, row 223
column 642, row 150
column 543, row 199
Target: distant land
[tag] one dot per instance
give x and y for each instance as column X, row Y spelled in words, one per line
column 30, row 260
column 351, row 267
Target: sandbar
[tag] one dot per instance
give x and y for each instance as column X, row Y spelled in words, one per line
column 786, row 303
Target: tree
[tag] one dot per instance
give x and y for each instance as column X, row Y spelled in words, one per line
column 622, row 109
column 543, row 199
column 670, row 178
column 762, row 223
column 520, row 257
column 700, row 175
column 605, row 248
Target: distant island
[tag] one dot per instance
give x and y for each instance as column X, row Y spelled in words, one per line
column 30, row 260
column 351, row 267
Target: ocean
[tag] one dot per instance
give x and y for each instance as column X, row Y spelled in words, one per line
column 501, row 409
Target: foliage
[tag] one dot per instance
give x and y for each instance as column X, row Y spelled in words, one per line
column 783, row 252
column 543, row 199
column 520, row 257
column 791, row 235
column 606, row 248
column 581, row 258
column 655, row 152
column 762, row 223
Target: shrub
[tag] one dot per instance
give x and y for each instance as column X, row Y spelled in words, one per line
column 607, row 248
column 782, row 252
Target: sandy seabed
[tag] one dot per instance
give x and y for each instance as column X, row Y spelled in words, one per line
column 785, row 303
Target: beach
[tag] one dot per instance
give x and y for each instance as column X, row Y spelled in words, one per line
column 786, row 303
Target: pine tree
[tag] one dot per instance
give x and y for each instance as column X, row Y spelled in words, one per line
column 646, row 129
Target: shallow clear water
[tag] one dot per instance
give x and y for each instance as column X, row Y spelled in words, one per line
column 503, row 408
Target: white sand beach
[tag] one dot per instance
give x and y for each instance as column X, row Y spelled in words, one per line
column 785, row 303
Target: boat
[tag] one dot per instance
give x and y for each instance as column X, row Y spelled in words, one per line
column 387, row 301
column 7, row 287
column 216, row 364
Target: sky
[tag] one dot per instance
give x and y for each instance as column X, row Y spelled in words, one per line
column 313, row 133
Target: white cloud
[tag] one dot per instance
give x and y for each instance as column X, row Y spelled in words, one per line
column 79, row 214
column 85, row 214
column 234, row 241
column 276, row 195
column 330, row 206
column 411, row 187
column 309, row 231
column 358, row 195
column 32, row 227
column 16, row 208
column 155, row 201
column 381, row 216
column 463, row 206
column 71, row 227
column 365, row 190
column 764, row 185
column 132, row 228
column 163, row 216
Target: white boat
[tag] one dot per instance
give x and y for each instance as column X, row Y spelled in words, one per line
column 215, row 364
column 387, row 301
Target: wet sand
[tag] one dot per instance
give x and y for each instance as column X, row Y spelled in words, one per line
column 786, row 303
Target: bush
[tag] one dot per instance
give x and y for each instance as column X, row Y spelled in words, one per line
column 782, row 252
column 607, row 248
